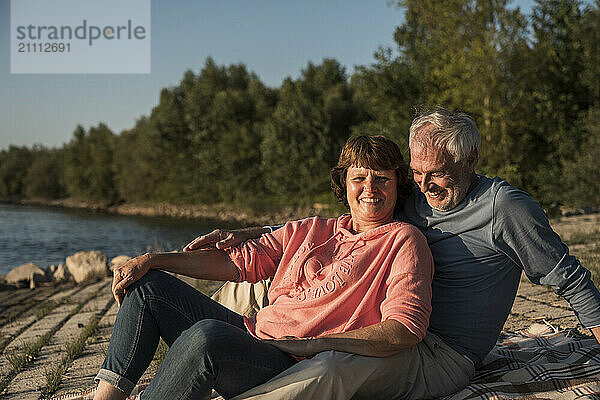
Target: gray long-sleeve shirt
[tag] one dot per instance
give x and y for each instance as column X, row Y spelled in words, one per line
column 480, row 248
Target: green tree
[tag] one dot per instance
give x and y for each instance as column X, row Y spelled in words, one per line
column 557, row 94
column 76, row 154
column 581, row 186
column 171, row 147
column 310, row 124
column 89, row 172
column 14, row 164
column 44, row 176
column 224, row 107
column 201, row 140
column 590, row 39
column 137, row 162
column 386, row 93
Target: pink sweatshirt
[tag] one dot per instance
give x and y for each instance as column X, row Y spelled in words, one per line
column 328, row 280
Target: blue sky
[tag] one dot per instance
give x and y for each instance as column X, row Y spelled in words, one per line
column 274, row 38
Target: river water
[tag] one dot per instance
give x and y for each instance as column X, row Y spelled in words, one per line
column 47, row 235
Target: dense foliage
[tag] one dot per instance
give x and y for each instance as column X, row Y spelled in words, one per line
column 532, row 83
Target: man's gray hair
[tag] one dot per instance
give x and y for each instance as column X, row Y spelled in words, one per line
column 454, row 132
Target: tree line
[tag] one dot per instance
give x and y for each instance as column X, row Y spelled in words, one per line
column 531, row 82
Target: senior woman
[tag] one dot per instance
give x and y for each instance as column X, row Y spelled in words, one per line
column 359, row 284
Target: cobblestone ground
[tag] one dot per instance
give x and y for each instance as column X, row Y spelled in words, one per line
column 38, row 328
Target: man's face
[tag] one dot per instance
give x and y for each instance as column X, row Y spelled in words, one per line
column 443, row 181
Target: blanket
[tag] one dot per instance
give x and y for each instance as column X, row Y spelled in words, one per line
column 538, row 363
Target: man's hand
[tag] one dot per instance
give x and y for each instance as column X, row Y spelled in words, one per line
column 222, row 238
column 124, row 275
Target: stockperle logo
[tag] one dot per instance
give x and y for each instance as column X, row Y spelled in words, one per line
column 80, row 36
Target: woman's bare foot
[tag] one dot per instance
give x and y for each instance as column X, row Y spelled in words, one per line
column 106, row 391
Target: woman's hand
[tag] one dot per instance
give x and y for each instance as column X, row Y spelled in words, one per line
column 221, row 238
column 302, row 347
column 382, row 339
column 125, row 274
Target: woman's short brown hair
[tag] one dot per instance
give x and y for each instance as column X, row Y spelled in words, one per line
column 373, row 152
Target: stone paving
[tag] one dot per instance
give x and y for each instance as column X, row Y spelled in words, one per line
column 539, row 304
column 59, row 315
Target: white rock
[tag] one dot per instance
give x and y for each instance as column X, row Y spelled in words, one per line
column 118, row 260
column 23, row 275
column 86, row 265
column 61, row 273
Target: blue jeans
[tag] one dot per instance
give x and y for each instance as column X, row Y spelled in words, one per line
column 209, row 344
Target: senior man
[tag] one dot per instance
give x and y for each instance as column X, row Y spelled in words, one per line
column 483, row 233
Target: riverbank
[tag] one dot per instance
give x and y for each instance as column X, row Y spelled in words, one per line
column 227, row 214
column 217, row 213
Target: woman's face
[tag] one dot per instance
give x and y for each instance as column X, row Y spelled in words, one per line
column 371, row 196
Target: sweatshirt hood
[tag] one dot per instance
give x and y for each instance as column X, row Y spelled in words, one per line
column 344, row 228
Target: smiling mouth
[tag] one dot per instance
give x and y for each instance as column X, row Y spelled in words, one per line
column 434, row 195
column 370, row 201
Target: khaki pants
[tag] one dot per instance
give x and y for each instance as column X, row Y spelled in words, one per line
column 430, row 369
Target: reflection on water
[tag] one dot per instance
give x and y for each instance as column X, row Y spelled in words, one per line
column 46, row 235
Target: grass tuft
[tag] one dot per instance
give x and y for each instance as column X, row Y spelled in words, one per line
column 4, row 381
column 72, row 351
column 582, row 237
column 53, row 379
column 17, row 359
column 23, row 355
column 47, row 307
column 12, row 317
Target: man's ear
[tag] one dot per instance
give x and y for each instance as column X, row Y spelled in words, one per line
column 473, row 159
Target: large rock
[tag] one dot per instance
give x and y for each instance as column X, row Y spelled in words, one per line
column 26, row 275
column 86, row 265
column 117, row 261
